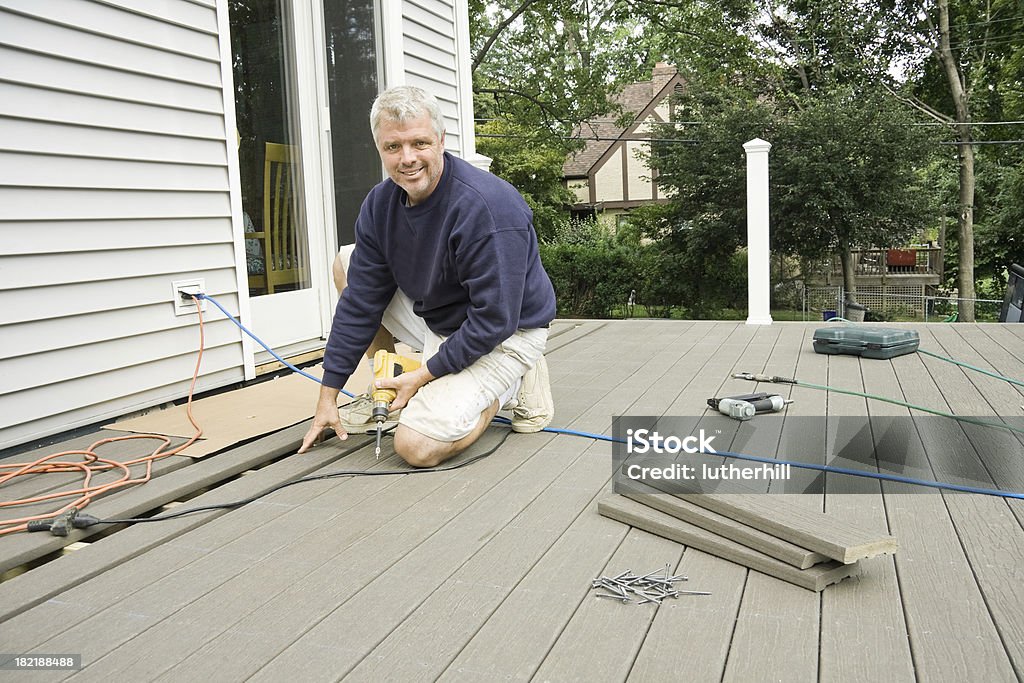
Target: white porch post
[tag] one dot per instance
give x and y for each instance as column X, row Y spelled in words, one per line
column 758, row 272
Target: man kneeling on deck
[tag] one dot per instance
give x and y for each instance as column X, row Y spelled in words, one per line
column 445, row 259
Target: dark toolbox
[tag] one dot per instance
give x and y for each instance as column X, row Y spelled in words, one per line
column 867, row 342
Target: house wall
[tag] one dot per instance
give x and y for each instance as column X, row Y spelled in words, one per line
column 434, row 33
column 639, row 172
column 114, row 182
column 428, row 28
column 608, row 179
column 621, row 178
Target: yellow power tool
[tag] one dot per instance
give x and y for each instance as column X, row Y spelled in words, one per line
column 386, row 365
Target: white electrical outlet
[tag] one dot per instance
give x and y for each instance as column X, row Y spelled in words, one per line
column 187, row 305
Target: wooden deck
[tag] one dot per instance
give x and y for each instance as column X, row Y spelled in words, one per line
column 485, row 572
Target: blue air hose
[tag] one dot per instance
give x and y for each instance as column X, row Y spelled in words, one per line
column 260, row 341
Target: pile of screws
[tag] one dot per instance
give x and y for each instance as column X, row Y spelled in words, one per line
column 652, row 587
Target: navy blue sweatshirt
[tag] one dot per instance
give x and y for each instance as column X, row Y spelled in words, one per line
column 467, row 257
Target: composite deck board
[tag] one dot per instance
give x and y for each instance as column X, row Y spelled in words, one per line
column 965, row 392
column 800, row 440
column 785, row 518
column 53, row 578
column 989, row 527
column 21, row 548
column 941, row 597
column 470, row 595
column 113, row 609
column 803, row 437
column 304, row 538
column 173, row 482
column 1004, row 354
column 241, row 633
column 517, row 635
column 776, row 636
column 974, row 393
column 358, row 624
column 522, row 654
column 773, row 546
column 379, row 609
column 380, row 555
column 709, row 363
column 713, row 361
column 382, row 662
column 867, row 609
column 691, row 635
column 651, row 520
column 566, row 336
column 604, row 637
column 378, row 562
column 758, row 437
column 695, row 636
column 33, row 485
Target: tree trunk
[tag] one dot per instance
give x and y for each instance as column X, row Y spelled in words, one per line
column 965, row 220
column 965, row 156
column 849, row 282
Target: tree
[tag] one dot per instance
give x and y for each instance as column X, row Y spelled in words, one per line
column 552, row 65
column 844, row 174
column 957, row 50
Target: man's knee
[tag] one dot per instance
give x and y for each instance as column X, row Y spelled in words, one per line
column 419, row 450
column 338, row 270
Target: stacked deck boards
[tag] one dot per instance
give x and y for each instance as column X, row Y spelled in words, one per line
column 765, row 533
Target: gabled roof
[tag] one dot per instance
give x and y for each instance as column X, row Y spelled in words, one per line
column 634, row 100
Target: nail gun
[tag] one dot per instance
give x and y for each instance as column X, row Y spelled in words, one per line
column 746, row 406
column 386, row 365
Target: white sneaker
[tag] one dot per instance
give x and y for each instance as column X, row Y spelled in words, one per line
column 535, row 408
column 357, row 416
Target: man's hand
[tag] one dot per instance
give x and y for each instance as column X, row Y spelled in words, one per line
column 326, row 416
column 406, row 385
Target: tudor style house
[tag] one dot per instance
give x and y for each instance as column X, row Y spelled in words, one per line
column 607, row 175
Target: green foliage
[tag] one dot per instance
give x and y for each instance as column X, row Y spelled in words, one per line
column 589, row 279
column 590, row 272
column 1000, row 240
column 847, row 171
column 579, row 231
column 552, row 65
column 838, row 87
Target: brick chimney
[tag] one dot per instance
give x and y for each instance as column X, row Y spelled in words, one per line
column 661, row 75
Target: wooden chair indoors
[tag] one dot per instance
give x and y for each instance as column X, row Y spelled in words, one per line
column 286, row 264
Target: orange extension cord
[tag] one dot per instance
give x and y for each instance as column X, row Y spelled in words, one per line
column 93, row 463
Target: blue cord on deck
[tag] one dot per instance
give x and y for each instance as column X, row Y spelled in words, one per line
column 824, row 468
column 260, row 341
column 724, row 454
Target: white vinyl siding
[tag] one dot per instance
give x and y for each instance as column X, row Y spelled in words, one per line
column 431, row 60
column 114, row 182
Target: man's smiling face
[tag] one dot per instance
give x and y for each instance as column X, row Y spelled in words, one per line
column 413, row 155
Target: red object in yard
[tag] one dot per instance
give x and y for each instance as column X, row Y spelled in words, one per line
column 901, row 257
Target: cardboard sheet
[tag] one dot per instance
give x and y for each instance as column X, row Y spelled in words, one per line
column 235, row 416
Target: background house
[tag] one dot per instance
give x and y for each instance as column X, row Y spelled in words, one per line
column 607, row 176
column 147, row 144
